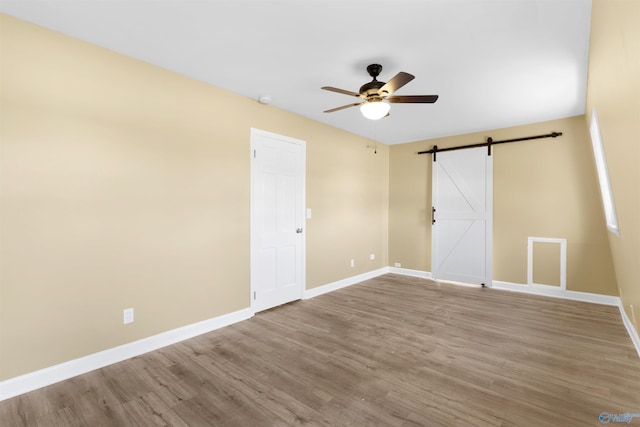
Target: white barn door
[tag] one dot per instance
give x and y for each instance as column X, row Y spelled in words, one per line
column 277, row 219
column 461, row 234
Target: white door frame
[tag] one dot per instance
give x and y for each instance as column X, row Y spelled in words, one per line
column 253, row 244
column 489, row 218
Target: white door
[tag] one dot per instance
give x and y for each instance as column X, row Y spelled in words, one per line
column 462, row 197
column 277, row 222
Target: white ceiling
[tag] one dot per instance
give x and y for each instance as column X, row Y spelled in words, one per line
column 494, row 63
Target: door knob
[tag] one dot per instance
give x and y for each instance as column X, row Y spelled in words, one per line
column 299, row 230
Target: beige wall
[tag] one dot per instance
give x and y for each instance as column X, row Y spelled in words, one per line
column 125, row 185
column 542, row 188
column 614, row 90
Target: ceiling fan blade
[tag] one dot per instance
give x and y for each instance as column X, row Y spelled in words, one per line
column 343, row 107
column 396, row 83
column 342, row 91
column 412, row 99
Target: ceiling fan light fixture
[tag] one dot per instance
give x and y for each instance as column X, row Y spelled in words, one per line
column 376, row 109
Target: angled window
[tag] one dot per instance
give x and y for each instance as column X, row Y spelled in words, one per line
column 603, row 175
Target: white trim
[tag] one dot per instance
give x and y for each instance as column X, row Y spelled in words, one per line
column 635, row 339
column 412, row 273
column 563, row 260
column 334, row 286
column 53, row 374
column 556, row 292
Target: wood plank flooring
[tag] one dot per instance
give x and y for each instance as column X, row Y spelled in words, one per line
column 391, row 351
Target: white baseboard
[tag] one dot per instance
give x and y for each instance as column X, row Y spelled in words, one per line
column 556, row 292
column 409, row 272
column 53, row 374
column 630, row 329
column 334, row 286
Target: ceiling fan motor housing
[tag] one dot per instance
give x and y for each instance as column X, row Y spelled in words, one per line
column 371, row 88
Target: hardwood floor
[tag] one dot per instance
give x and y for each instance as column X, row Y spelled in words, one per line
column 391, row 351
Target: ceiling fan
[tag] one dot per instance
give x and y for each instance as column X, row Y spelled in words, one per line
column 378, row 95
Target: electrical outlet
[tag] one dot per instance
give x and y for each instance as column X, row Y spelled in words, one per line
column 353, row 263
column 397, row 264
column 127, row 316
column 372, row 257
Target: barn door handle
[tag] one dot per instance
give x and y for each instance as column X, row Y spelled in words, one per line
column 299, row 230
column 433, row 215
